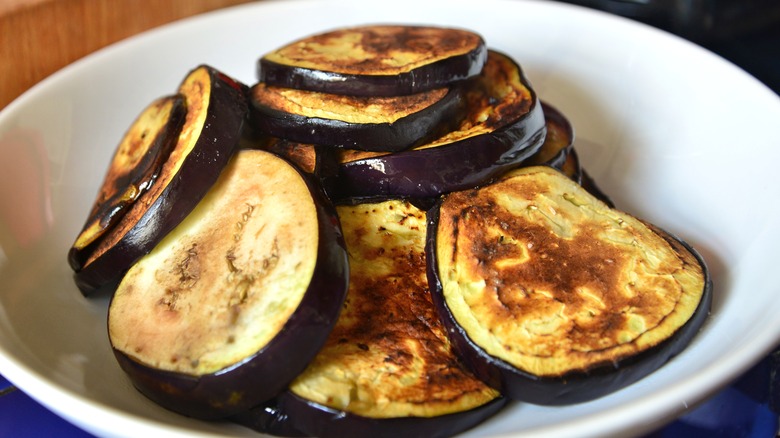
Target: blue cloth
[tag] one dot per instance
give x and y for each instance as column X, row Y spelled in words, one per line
column 21, row 416
column 742, row 410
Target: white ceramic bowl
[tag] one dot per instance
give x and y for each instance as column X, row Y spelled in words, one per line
column 673, row 133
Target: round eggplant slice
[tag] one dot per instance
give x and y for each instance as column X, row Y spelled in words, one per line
column 235, row 301
column 553, row 297
column 387, row 368
column 355, row 122
column 134, row 167
column 216, row 111
column 503, row 125
column 376, row 60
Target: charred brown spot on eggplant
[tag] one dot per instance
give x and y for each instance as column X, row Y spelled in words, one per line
column 133, row 169
column 500, row 96
column 503, row 125
column 355, row 122
column 303, row 155
column 388, row 356
column 546, row 284
column 376, row 60
column 215, row 114
column 199, row 323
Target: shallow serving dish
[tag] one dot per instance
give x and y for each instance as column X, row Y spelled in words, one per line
column 673, row 133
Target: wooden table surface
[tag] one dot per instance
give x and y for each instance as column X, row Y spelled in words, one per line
column 38, row 37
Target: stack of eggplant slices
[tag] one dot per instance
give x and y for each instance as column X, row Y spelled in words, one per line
column 389, row 234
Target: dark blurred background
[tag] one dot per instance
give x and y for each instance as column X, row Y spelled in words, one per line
column 746, row 32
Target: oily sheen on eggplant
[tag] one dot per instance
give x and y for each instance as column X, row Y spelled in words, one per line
column 215, row 114
column 552, row 296
column 387, row 368
column 236, row 300
column 133, row 169
column 504, row 125
column 267, row 418
column 375, row 60
column 368, row 123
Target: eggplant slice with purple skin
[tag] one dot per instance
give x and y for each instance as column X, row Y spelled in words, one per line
column 504, row 125
column 555, row 298
column 387, row 368
column 134, row 167
column 237, row 299
column 216, row 112
column 370, row 123
column 375, row 60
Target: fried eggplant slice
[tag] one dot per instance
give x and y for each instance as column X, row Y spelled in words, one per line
column 378, row 60
column 355, row 122
column 387, row 368
column 133, row 170
column 555, row 298
column 235, row 301
column 216, row 112
column 503, row 125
